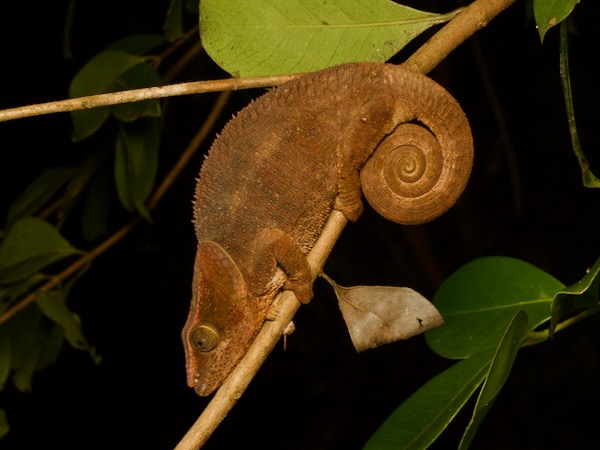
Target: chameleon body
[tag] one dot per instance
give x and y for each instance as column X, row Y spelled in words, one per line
column 270, row 181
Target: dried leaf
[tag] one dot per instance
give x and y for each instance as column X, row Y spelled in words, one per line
column 377, row 315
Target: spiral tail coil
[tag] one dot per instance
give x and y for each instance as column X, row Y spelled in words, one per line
column 418, row 171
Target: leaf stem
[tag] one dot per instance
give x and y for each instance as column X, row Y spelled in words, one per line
column 537, row 337
column 589, row 179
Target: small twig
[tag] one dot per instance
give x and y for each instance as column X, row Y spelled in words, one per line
column 136, row 95
column 158, row 194
column 471, row 19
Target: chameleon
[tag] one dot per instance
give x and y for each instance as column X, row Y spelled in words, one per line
column 279, row 167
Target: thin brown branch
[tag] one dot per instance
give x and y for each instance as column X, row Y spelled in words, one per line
column 153, row 202
column 136, row 95
column 465, row 24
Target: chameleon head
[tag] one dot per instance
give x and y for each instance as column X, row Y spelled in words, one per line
column 222, row 320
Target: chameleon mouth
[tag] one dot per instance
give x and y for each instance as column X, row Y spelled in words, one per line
column 204, row 389
column 206, row 384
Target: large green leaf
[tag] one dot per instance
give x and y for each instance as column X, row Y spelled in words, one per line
column 480, row 299
column 136, row 163
column 417, row 422
column 29, row 246
column 515, row 334
column 548, row 13
column 264, row 37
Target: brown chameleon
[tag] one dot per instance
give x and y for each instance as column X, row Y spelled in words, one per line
column 272, row 177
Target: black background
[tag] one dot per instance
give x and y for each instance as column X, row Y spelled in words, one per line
column 319, row 394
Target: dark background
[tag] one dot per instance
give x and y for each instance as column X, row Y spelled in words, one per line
column 319, row 394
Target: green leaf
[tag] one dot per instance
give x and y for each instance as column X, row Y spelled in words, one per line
column 480, row 299
column 5, row 357
column 51, row 347
column 417, row 422
column 29, row 343
column 109, row 71
column 139, row 76
column 67, row 29
column 13, row 291
column 589, row 179
column 584, row 294
column 548, row 13
column 137, row 44
column 94, row 217
column 136, row 163
column 27, row 340
column 173, row 26
column 37, row 194
column 29, row 246
column 266, row 37
column 4, row 427
column 516, row 333
column 53, row 306
column 99, row 75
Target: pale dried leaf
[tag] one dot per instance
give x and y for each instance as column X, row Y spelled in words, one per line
column 377, row 315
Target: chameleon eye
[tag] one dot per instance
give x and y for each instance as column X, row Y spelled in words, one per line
column 205, row 338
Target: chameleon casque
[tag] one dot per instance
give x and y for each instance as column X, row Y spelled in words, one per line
column 272, row 177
